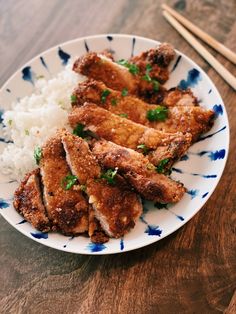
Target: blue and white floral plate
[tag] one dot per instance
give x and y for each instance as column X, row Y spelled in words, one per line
column 200, row 170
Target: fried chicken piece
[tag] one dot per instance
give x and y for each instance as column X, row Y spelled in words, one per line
column 96, row 233
column 100, row 67
column 184, row 118
column 116, row 207
column 139, row 172
column 179, row 97
column 28, row 202
column 129, row 134
column 145, row 82
column 157, row 59
column 66, row 208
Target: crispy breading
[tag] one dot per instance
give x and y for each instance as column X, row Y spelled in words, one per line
column 129, row 134
column 96, row 233
column 28, row 201
column 67, row 209
column 139, row 172
column 158, row 59
column 151, row 65
column 100, row 67
column 179, row 97
column 184, row 118
column 116, row 206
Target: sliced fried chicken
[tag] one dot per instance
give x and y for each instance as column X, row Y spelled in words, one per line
column 184, row 118
column 129, row 134
column 96, row 233
column 66, row 206
column 115, row 206
column 28, row 202
column 139, row 172
column 100, row 67
column 157, row 59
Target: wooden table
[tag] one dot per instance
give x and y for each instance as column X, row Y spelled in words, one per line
column 191, row 271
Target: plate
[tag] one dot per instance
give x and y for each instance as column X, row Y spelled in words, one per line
column 200, row 170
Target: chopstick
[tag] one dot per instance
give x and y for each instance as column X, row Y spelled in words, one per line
column 224, row 73
column 226, row 52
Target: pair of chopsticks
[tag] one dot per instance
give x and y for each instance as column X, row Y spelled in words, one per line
column 173, row 17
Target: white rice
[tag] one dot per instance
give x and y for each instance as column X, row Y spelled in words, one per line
column 33, row 119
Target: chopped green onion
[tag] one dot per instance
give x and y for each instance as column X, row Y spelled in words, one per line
column 148, row 78
column 144, row 148
column 104, row 95
column 148, row 68
column 161, row 167
column 124, row 92
column 133, row 68
column 37, row 154
column 110, row 175
column 114, row 101
column 123, row 115
column 160, row 113
column 73, row 99
column 68, row 182
column 79, row 131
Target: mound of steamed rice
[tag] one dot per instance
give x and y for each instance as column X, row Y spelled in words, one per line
column 33, row 119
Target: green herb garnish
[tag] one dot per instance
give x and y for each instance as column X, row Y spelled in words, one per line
column 148, row 78
column 9, row 122
column 79, row 131
column 161, row 167
column 37, row 154
column 110, row 175
column 124, row 92
column 160, row 113
column 73, row 99
column 114, row 101
column 123, row 115
column 133, row 68
column 26, row 132
column 68, row 182
column 104, row 95
column 144, row 148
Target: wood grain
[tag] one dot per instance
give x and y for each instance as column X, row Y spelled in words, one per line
column 191, row 271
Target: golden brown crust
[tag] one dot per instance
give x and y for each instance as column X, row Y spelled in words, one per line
column 139, row 172
column 184, row 117
column 115, row 206
column 129, row 134
column 28, row 202
column 100, row 67
column 81, row 161
column 158, row 58
column 67, row 209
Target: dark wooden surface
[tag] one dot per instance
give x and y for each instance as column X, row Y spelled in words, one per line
column 191, row 271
